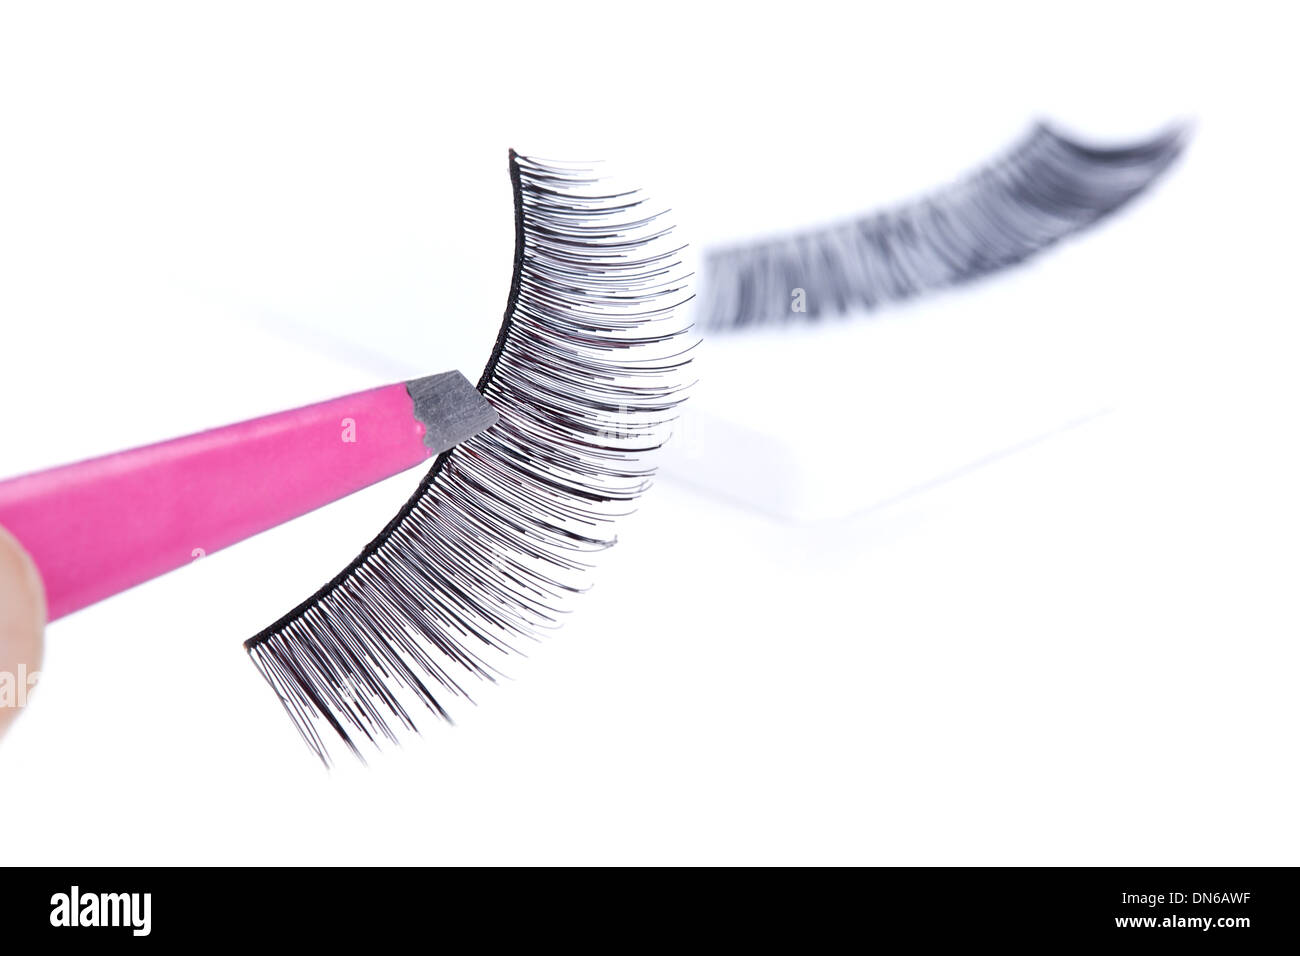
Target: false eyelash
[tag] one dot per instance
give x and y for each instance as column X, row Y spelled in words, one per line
column 585, row 374
column 1044, row 189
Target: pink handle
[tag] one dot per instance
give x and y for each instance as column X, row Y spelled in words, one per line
column 104, row 525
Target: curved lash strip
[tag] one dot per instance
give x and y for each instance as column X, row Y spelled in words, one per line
column 585, row 374
column 1044, row 189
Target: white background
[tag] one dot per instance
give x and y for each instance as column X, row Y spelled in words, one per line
column 1080, row 644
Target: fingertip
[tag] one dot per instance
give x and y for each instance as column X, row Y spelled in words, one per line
column 22, row 628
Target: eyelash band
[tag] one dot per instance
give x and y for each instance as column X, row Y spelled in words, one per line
column 586, row 374
column 1043, row 190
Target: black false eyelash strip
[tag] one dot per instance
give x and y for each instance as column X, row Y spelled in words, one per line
column 585, row 374
column 1044, row 189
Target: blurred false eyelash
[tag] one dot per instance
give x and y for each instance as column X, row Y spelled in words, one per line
column 1044, row 189
column 585, row 374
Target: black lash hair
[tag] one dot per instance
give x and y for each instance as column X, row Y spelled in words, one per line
column 1045, row 188
column 585, row 374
